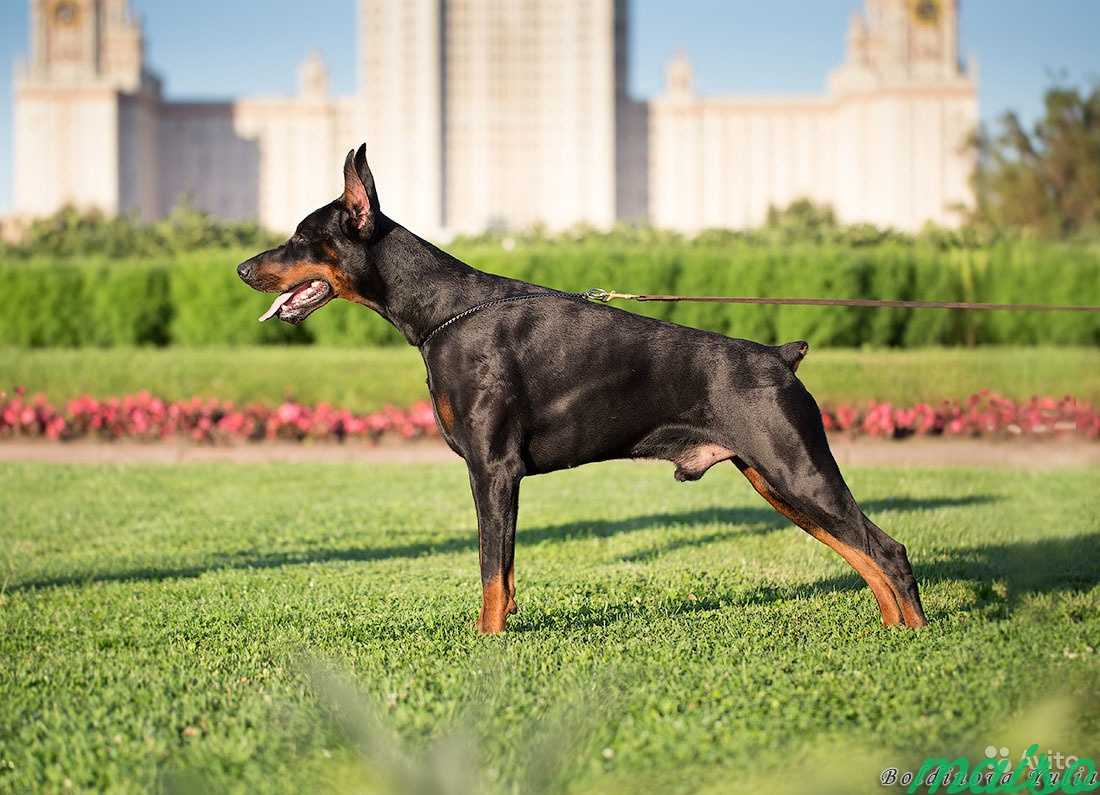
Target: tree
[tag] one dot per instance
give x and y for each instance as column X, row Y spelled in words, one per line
column 1045, row 181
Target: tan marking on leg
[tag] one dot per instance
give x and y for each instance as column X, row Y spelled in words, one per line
column 494, row 605
column 870, row 571
column 512, row 606
column 445, row 411
column 913, row 617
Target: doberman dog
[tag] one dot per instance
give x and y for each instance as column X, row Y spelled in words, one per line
column 527, row 380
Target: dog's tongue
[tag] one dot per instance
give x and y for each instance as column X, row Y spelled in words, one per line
column 274, row 308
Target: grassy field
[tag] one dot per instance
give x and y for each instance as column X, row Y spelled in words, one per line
column 368, row 378
column 309, row 627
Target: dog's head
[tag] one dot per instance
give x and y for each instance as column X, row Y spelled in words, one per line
column 326, row 257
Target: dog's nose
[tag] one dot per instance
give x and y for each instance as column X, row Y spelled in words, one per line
column 244, row 270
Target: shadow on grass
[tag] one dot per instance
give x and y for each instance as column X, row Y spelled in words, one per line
column 755, row 521
column 1051, row 565
column 1046, row 566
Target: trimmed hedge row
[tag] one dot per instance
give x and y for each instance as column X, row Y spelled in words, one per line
column 196, row 299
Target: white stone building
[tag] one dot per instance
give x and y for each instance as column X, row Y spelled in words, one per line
column 885, row 144
column 493, row 113
column 92, row 130
column 498, row 113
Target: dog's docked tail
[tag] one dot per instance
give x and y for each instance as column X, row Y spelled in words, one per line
column 793, row 352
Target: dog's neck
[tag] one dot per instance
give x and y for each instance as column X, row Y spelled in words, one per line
column 416, row 286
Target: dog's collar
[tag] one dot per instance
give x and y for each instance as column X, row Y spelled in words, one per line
column 507, row 299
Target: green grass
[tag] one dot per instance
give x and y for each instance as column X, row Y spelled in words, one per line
column 361, row 379
column 365, row 379
column 164, row 624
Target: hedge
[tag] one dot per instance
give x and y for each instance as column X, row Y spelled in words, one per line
column 196, row 299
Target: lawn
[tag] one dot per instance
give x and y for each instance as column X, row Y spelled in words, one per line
column 365, row 379
column 309, row 627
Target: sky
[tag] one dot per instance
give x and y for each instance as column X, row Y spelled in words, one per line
column 229, row 48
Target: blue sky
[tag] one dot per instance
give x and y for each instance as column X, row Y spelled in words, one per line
column 226, row 48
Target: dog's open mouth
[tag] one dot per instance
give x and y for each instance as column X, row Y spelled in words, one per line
column 296, row 304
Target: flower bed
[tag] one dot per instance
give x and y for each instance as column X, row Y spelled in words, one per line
column 145, row 417
column 983, row 414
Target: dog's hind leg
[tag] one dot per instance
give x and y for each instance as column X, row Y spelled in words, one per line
column 805, row 485
column 862, row 563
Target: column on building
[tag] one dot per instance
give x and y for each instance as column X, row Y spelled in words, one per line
column 530, row 113
column 400, row 107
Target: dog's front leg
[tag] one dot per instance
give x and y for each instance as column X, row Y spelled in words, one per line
column 496, row 495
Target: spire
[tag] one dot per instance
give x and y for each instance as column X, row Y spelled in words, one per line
column 679, row 79
column 313, row 77
column 858, row 39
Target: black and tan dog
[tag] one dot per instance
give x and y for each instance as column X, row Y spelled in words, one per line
column 527, row 380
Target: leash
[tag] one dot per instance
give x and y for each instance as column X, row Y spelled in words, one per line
column 601, row 296
column 606, row 296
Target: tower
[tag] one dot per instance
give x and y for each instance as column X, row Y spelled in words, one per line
column 482, row 113
column 85, row 111
column 901, row 41
column 904, row 108
column 78, row 42
column 679, row 78
column 400, row 106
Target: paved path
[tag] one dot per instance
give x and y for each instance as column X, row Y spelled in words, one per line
column 1017, row 454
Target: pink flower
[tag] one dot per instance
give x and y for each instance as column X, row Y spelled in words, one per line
column 145, row 416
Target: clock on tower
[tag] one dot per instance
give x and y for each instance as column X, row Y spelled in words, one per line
column 927, row 31
column 926, row 12
column 69, row 43
column 66, row 12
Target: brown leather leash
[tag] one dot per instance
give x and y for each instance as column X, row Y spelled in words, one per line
column 606, row 296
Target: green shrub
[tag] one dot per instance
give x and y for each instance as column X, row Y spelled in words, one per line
column 45, row 305
column 342, row 324
column 739, row 270
column 1041, row 273
column 126, row 303
column 935, row 279
column 821, row 273
column 196, row 298
column 892, row 274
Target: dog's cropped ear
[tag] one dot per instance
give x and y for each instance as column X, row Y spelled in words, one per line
column 360, row 196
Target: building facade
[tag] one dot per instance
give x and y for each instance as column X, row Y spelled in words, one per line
column 92, row 129
column 497, row 114
column 886, row 143
column 493, row 113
